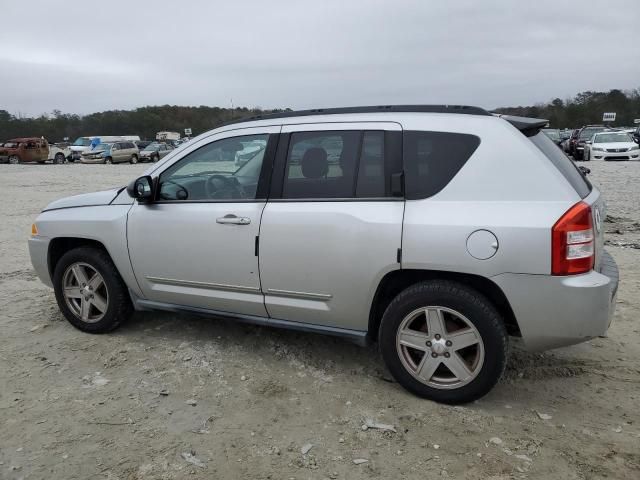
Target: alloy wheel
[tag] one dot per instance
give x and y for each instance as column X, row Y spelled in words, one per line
column 440, row 347
column 85, row 292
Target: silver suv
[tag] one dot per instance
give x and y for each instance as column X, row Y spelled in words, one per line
column 438, row 231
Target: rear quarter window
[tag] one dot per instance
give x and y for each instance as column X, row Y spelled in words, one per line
column 432, row 159
column 563, row 163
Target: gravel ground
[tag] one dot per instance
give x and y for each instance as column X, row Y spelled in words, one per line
column 170, row 396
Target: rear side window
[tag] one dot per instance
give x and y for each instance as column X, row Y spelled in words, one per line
column 338, row 164
column 562, row 163
column 432, row 159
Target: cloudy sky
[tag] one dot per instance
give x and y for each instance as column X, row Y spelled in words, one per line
column 83, row 56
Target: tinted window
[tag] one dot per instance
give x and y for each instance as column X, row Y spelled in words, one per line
column 562, row 163
column 212, row 173
column 321, row 164
column 371, row 170
column 432, row 159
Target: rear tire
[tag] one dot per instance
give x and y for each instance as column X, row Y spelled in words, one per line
column 90, row 292
column 58, row 159
column 134, row 159
column 459, row 364
column 14, row 159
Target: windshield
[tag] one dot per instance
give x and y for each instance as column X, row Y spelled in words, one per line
column 588, row 132
column 152, row 147
column 82, row 142
column 102, row 146
column 611, row 138
column 552, row 134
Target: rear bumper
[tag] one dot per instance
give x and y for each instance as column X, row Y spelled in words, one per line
column 39, row 251
column 559, row 311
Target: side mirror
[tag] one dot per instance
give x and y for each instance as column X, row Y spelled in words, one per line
column 141, row 189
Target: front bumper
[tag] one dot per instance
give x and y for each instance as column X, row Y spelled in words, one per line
column 628, row 155
column 39, row 252
column 559, row 311
column 91, row 160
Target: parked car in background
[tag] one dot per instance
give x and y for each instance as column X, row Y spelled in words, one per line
column 611, row 145
column 249, row 150
column 85, row 144
column 636, row 135
column 347, row 223
column 553, row 134
column 154, row 152
column 59, row 153
column 117, row 152
column 584, row 136
column 570, row 145
column 23, row 150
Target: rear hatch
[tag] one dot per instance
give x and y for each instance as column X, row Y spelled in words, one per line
column 589, row 194
column 531, row 127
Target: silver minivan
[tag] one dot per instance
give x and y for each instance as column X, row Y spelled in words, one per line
column 437, row 231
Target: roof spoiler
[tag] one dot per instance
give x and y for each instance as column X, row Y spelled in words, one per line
column 528, row 126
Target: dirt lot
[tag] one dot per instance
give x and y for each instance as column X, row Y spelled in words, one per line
column 169, row 396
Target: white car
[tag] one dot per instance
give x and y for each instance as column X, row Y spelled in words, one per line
column 611, row 145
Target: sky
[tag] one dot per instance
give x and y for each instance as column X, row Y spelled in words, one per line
column 87, row 56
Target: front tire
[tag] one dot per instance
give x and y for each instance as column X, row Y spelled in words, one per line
column 89, row 291
column 444, row 341
column 59, row 159
column 108, row 161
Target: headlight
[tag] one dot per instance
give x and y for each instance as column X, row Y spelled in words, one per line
column 635, row 147
column 598, row 149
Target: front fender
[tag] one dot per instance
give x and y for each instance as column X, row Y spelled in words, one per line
column 105, row 224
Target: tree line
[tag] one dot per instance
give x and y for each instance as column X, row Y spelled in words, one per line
column 585, row 108
column 145, row 122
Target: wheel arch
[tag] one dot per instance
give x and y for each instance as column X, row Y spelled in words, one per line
column 397, row 280
column 60, row 245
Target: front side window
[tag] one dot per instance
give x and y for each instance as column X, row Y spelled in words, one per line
column 212, row 173
column 432, row 159
column 335, row 164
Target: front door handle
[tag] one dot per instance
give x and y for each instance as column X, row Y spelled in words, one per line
column 231, row 219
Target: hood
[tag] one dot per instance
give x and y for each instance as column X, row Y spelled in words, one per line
column 93, row 152
column 85, row 200
column 616, row 145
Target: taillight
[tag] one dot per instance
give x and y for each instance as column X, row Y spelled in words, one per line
column 572, row 242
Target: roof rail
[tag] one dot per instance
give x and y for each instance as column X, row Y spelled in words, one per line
column 527, row 125
column 464, row 109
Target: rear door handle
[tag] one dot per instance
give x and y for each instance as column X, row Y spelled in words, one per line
column 231, row 219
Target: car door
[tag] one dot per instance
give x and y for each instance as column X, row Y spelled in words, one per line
column 195, row 245
column 332, row 227
column 116, row 152
column 162, row 150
